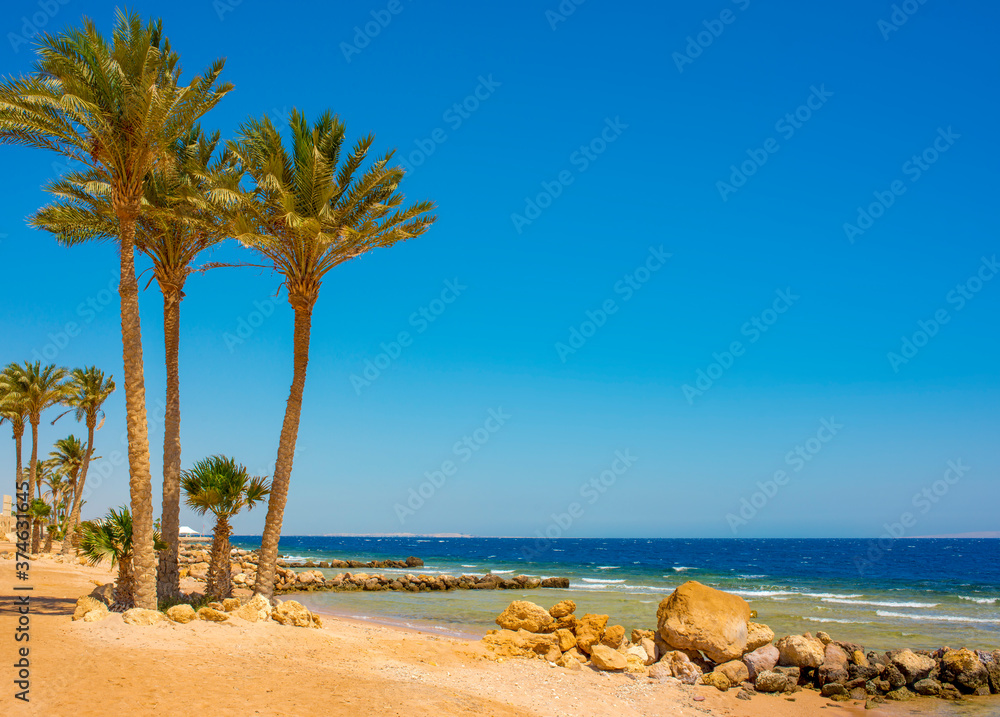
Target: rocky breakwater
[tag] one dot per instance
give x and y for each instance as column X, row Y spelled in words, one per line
column 707, row 637
column 243, row 564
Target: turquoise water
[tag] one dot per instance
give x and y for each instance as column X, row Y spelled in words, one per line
column 918, row 594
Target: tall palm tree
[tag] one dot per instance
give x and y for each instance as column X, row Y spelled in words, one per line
column 116, row 107
column 68, row 458
column 89, row 389
column 309, row 213
column 37, row 388
column 14, row 410
column 110, row 538
column 223, row 487
column 186, row 211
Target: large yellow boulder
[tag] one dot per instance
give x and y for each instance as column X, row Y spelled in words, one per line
column 183, row 613
column 697, row 617
column 590, row 630
column 141, row 616
column 85, row 604
column 524, row 615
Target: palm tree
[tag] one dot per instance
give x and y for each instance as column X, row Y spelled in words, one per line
column 14, row 410
column 68, row 458
column 38, row 511
column 306, row 216
column 186, row 212
column 224, row 487
column 111, row 539
column 37, row 388
column 116, row 107
column 88, row 392
column 57, row 480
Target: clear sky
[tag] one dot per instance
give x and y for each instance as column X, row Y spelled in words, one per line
column 690, row 167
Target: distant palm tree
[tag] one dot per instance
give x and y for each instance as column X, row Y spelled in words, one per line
column 13, row 409
column 186, row 211
column 67, row 458
column 117, row 107
column 224, row 487
column 110, row 538
column 88, row 390
column 38, row 511
column 37, row 388
column 57, row 481
column 306, row 216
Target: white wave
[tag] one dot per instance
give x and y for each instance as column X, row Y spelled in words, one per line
column 682, row 568
column 876, row 603
column 609, row 567
column 938, row 618
column 789, row 593
column 602, row 582
column 470, row 566
column 980, row 601
column 831, row 619
column 828, row 596
column 649, row 588
column 751, row 577
column 501, row 572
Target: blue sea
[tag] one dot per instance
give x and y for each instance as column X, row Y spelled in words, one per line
column 904, row 593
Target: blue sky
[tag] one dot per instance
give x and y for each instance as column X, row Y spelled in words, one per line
column 569, row 154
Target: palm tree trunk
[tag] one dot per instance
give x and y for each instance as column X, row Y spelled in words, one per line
column 125, row 586
column 18, row 471
column 168, row 575
column 268, row 561
column 219, row 583
column 32, row 473
column 48, row 538
column 74, row 513
column 143, row 556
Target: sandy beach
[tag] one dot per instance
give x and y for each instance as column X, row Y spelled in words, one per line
column 349, row 667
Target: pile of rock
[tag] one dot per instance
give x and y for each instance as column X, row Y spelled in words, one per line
column 843, row 671
column 243, row 564
column 706, row 636
column 95, row 607
column 559, row 636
